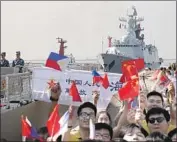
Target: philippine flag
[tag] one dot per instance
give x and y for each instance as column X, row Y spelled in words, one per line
column 57, row 61
column 96, row 77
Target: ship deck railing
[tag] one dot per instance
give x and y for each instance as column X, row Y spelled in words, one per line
column 15, row 89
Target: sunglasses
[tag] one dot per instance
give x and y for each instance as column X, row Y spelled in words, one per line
column 158, row 120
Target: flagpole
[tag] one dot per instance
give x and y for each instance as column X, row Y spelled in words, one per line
column 139, row 88
column 23, row 138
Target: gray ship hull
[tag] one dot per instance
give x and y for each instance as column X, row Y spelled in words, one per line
column 112, row 63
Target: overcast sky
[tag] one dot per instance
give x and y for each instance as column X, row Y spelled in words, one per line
column 32, row 27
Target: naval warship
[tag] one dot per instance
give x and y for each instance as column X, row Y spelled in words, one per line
column 130, row 46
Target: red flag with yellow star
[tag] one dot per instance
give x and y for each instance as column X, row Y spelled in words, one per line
column 129, row 70
column 53, row 125
column 105, row 81
column 52, row 83
column 129, row 90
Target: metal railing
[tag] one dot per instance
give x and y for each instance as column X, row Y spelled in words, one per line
column 15, row 88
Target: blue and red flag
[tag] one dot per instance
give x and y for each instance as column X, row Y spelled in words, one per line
column 27, row 130
column 96, row 77
column 57, row 61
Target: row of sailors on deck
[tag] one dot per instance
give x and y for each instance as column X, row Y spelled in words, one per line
column 17, row 62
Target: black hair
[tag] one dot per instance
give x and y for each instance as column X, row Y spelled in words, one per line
column 99, row 126
column 129, row 128
column 86, row 105
column 161, row 68
column 59, row 139
column 43, row 131
column 158, row 110
column 169, row 67
column 155, row 93
column 172, row 132
column 158, row 137
column 169, row 72
column 101, row 112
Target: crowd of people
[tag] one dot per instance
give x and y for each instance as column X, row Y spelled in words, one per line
column 17, row 62
column 153, row 119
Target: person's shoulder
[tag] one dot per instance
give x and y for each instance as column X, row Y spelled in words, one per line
column 171, row 127
column 75, row 134
column 145, row 126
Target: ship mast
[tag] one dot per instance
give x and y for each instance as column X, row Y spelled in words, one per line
column 62, row 47
column 109, row 41
column 133, row 22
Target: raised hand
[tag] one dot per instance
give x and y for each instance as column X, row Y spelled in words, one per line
column 139, row 116
column 131, row 116
column 71, row 112
column 96, row 95
column 56, row 91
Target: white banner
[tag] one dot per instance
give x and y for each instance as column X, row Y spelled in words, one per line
column 43, row 76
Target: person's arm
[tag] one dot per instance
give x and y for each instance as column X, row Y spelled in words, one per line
column 95, row 97
column 67, row 135
column 55, row 95
column 122, row 121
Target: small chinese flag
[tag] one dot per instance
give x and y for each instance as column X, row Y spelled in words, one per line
column 122, row 79
column 139, row 63
column 26, row 128
column 129, row 90
column 74, row 93
column 53, row 125
column 105, row 81
column 129, row 70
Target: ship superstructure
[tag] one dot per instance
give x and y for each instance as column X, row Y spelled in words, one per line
column 130, row 46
